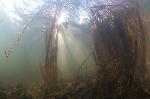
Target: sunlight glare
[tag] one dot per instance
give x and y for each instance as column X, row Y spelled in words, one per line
column 8, row 7
column 12, row 7
column 63, row 17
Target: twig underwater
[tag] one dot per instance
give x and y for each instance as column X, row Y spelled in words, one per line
column 17, row 39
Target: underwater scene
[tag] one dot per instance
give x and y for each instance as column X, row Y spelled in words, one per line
column 74, row 49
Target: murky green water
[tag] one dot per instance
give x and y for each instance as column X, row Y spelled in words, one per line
column 24, row 25
column 27, row 54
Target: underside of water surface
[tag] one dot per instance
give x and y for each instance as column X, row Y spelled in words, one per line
column 74, row 49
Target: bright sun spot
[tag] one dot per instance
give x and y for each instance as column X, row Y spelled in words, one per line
column 63, row 17
column 15, row 8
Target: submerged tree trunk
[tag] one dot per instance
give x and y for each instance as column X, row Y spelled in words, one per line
column 49, row 70
column 119, row 39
